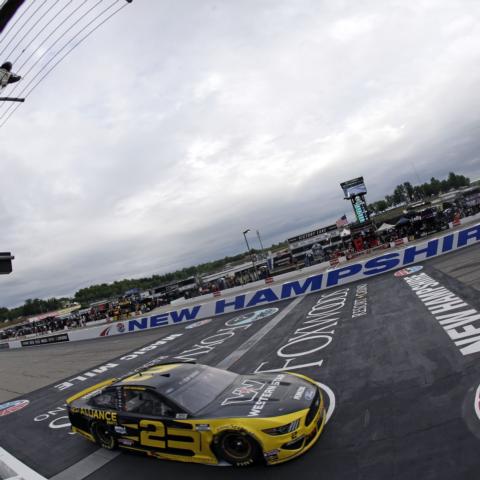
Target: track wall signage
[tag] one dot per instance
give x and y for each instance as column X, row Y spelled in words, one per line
column 303, row 349
column 313, row 283
column 460, row 321
column 360, row 303
column 63, row 337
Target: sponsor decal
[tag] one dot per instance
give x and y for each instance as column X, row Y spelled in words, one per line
column 246, row 393
column 120, row 430
column 301, row 350
column 460, row 322
column 105, row 332
column 251, row 317
column 202, row 427
column 105, row 415
column 265, row 396
column 309, row 394
column 120, row 328
column 181, row 416
column 299, row 393
column 13, row 406
column 360, row 303
column 46, row 340
column 407, row 271
column 272, row 454
column 198, row 324
column 125, row 441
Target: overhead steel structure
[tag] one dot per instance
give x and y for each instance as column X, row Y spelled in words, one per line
column 7, row 11
column 44, row 34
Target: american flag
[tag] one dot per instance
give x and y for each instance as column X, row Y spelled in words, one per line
column 342, row 221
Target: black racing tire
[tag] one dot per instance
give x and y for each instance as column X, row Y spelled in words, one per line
column 103, row 435
column 238, row 448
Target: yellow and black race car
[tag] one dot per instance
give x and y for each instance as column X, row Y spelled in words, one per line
column 196, row 413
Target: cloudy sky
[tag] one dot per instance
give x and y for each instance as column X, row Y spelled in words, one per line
column 180, row 123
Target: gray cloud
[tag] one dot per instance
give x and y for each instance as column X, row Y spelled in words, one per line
column 179, row 124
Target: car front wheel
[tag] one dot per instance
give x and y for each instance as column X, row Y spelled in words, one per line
column 238, row 448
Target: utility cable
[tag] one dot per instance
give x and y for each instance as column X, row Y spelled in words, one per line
column 26, row 35
column 51, row 33
column 25, row 74
column 68, row 52
column 21, row 28
column 18, row 19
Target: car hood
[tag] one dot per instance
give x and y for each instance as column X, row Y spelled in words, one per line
column 261, row 395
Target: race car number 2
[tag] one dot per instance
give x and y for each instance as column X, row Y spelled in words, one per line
column 154, row 434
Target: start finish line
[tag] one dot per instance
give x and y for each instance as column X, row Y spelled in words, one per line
column 265, row 296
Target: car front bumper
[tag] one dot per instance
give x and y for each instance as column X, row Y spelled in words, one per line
column 303, row 440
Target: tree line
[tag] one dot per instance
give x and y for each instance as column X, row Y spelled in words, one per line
column 93, row 293
column 406, row 192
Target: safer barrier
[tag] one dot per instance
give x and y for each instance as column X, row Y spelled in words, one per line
column 274, row 293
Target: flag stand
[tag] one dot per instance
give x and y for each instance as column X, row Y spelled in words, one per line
column 11, row 99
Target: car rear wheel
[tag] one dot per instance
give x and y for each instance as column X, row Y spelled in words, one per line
column 103, row 435
column 238, row 448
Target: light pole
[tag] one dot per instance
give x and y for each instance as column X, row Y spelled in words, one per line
column 250, row 252
column 264, row 257
column 260, row 240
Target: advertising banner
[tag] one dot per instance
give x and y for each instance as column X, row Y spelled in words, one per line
column 354, row 187
column 343, row 274
column 63, row 337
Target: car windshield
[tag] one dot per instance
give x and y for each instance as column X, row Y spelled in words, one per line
column 200, row 387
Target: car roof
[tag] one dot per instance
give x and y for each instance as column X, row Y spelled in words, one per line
column 161, row 377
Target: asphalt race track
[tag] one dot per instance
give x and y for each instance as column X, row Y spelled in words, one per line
column 403, row 371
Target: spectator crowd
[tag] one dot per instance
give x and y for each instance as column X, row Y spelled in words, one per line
column 413, row 225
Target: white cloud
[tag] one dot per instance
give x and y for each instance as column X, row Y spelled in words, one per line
column 208, row 86
column 347, row 29
column 202, row 150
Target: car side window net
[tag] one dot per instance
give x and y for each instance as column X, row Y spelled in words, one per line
column 145, row 402
column 104, row 400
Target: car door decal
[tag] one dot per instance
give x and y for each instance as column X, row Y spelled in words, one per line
column 162, row 437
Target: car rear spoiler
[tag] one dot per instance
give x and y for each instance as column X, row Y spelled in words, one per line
column 151, row 364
